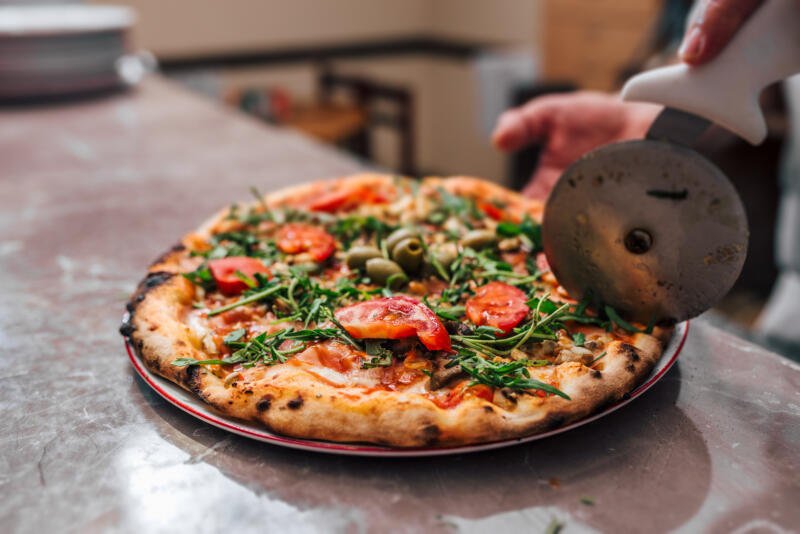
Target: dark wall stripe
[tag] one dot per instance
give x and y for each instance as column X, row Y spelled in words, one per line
column 413, row 45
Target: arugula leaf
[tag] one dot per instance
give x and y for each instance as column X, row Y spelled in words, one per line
column 251, row 297
column 528, row 229
column 201, row 277
column 234, row 336
column 578, row 338
column 625, row 325
column 508, row 229
column 382, row 357
column 183, row 362
column 513, row 375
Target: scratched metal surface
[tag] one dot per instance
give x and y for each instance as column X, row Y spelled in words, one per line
column 91, row 192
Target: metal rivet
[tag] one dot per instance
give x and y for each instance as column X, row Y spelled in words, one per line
column 638, row 241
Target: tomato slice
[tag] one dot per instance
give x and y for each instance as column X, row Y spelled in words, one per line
column 296, row 238
column 394, row 318
column 346, row 198
column 491, row 210
column 224, row 272
column 499, row 305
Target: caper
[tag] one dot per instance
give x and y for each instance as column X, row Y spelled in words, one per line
column 380, row 270
column 357, row 256
column 398, row 235
column 479, row 239
column 408, row 254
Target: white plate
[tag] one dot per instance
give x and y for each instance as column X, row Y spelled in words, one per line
column 194, row 406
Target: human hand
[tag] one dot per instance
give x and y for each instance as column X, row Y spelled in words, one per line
column 711, row 27
column 568, row 126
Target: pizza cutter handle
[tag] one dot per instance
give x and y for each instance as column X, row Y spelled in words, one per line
column 726, row 90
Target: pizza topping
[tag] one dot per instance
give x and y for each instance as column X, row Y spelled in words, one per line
column 505, row 374
column 462, row 391
column 479, row 239
column 492, row 210
column 575, row 354
column 331, row 355
column 347, row 198
column 439, row 255
column 234, row 275
column 444, row 375
column 541, row 262
column 499, row 305
column 267, row 348
column 295, row 238
column 394, row 318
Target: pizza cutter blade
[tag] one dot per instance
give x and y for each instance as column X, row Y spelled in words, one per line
column 651, row 227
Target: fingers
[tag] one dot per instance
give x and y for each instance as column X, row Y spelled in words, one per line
column 542, row 182
column 713, row 28
column 521, row 126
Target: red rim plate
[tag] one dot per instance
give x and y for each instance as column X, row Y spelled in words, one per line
column 195, row 407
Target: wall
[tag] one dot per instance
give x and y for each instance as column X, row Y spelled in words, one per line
column 193, row 27
column 449, row 137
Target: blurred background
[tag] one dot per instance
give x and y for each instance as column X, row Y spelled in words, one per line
column 415, row 86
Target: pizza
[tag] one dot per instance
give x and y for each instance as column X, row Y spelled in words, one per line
column 382, row 309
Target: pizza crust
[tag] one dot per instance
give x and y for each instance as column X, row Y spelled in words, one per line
column 291, row 399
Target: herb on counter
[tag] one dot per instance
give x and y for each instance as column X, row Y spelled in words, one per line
column 554, row 527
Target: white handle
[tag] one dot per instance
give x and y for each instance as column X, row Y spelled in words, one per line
column 726, row 90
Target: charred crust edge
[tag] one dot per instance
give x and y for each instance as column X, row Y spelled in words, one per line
column 631, row 352
column 193, row 382
column 555, row 420
column 179, row 247
column 264, row 404
column 429, row 433
column 150, row 282
column 295, row 403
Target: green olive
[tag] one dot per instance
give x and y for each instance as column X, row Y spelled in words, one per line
column 398, row 235
column 408, row 254
column 357, row 256
column 479, row 239
column 380, row 270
